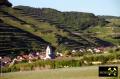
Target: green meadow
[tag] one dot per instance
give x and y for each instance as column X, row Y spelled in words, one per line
column 87, row 72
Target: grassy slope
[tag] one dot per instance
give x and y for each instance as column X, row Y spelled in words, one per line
column 108, row 31
column 38, row 26
column 89, row 72
column 47, row 14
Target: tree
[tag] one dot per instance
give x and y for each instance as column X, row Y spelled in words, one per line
column 6, row 3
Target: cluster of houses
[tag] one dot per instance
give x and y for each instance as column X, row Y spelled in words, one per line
column 48, row 54
column 92, row 50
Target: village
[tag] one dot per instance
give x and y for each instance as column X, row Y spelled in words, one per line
column 48, row 54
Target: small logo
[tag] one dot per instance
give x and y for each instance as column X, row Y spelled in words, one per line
column 108, row 71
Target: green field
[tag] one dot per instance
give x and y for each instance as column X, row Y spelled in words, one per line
column 88, row 72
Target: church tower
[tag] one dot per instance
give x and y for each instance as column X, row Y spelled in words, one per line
column 49, row 53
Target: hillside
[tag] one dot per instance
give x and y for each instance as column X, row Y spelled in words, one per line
column 14, row 39
column 28, row 31
column 82, row 22
column 109, row 32
column 86, row 25
column 72, row 20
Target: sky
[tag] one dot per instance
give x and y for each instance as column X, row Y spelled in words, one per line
column 98, row 7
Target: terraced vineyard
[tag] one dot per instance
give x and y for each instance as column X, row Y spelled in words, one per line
column 83, row 40
column 12, row 38
column 72, row 40
column 20, row 30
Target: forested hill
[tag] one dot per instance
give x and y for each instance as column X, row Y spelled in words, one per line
column 73, row 20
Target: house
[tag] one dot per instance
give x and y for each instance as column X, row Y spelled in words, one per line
column 59, row 54
column 97, row 62
column 73, row 51
column 90, row 50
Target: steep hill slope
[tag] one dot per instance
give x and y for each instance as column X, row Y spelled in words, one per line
column 55, row 17
column 14, row 39
column 109, row 32
column 42, row 29
column 75, row 20
column 23, row 31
